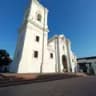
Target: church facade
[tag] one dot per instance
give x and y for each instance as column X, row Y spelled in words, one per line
column 34, row 52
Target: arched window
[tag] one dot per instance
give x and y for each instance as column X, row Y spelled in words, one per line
column 39, row 17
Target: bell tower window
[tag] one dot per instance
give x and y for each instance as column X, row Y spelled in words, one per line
column 39, row 17
column 37, row 38
column 51, row 55
column 35, row 54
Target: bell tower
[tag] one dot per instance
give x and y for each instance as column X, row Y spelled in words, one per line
column 32, row 40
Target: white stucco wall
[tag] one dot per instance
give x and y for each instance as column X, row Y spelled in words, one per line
column 24, row 60
column 32, row 28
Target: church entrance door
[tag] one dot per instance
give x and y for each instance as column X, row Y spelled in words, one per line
column 64, row 62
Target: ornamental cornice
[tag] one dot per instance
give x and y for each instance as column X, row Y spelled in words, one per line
column 40, row 5
column 39, row 25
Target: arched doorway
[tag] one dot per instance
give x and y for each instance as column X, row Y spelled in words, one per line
column 64, row 62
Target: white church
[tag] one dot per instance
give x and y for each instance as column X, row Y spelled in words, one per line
column 34, row 52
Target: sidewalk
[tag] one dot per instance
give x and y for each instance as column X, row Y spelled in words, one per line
column 18, row 79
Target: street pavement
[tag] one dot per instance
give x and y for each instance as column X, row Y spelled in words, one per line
column 81, row 86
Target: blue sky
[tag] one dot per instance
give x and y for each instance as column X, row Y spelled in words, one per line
column 76, row 19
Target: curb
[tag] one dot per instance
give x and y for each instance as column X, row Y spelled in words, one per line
column 41, row 78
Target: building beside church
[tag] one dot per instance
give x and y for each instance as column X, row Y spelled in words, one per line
column 34, row 52
column 87, row 65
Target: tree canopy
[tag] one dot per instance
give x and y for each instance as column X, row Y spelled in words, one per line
column 4, row 58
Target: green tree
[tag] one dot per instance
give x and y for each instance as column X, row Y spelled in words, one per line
column 5, row 60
